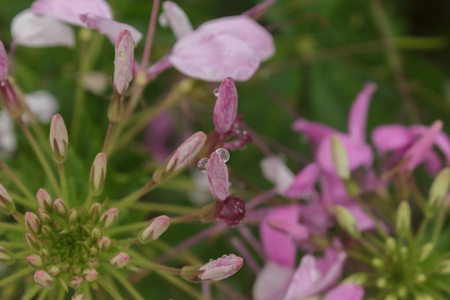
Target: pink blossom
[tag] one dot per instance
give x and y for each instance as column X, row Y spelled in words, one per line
column 225, row 109
column 304, row 183
column 347, row 291
column 123, row 61
column 218, row 177
column 221, row 268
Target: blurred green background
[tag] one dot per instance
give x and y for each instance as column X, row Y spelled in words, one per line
column 326, row 50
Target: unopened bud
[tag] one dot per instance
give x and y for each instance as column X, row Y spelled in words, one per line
column 154, row 229
column 75, row 281
column 6, row 203
column 32, row 222
column 124, row 61
column 116, row 107
column 95, row 212
column 43, row 216
column 403, row 219
column 73, row 216
column 32, row 241
column 44, row 279
column 390, row 245
column 225, row 109
column 79, row 297
column 347, row 221
column 60, row 207
column 44, row 200
column 120, row 260
column 90, row 275
column 53, row 270
column 186, row 152
column 378, row 263
column 438, row 191
column 109, row 217
column 340, row 158
column 59, row 139
column 425, row 251
column 10, row 94
column 43, row 253
column 3, row 63
column 98, row 174
column 93, row 251
column 104, row 243
column 6, row 257
column 96, row 233
column 46, row 230
column 420, row 278
column 444, row 267
column 218, row 269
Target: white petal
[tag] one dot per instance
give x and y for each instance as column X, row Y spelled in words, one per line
column 8, row 141
column 42, row 104
column 176, row 18
column 275, row 170
column 272, row 282
column 31, row 30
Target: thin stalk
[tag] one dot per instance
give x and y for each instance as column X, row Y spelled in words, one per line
column 87, row 292
column 150, row 35
column 12, row 245
column 438, row 225
column 28, row 203
column 124, row 228
column 181, row 285
column 184, row 219
column 128, row 241
column 10, row 226
column 18, row 217
column 108, row 136
column 133, row 292
column 164, row 208
column 40, row 156
column 62, row 293
column 156, row 267
column 43, row 294
column 11, row 278
column 133, row 197
column 109, row 288
column 63, row 180
column 30, row 293
column 25, row 191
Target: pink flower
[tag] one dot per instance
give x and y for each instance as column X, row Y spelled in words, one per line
column 226, row 47
column 218, row 177
column 221, row 268
column 347, row 291
column 123, row 61
column 225, row 109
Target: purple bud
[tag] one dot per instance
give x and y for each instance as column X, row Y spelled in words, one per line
column 75, row 281
column 218, row 177
column 90, row 275
column 120, row 260
column 154, row 230
column 109, row 217
column 95, row 212
column 44, row 279
column 3, row 63
column 6, row 203
column 59, row 139
column 98, row 174
column 186, row 152
column 225, row 109
column 44, row 200
column 43, row 215
column 123, row 61
column 32, row 222
column 233, row 211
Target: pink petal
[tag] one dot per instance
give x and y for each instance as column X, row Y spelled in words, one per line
column 247, row 30
column 109, row 27
column 69, row 11
column 221, row 268
column 279, row 247
column 276, row 171
column 316, row 217
column 177, row 19
column 187, row 151
column 392, row 137
column 304, row 182
column 32, row 30
column 314, row 132
column 347, row 291
column 214, row 57
column 123, row 61
column 225, row 109
column 358, row 114
column 442, row 140
column 314, row 276
column 272, row 282
column 334, row 191
column 359, row 154
column 218, row 177
column 418, row 151
column 433, row 163
column 298, row 232
column 3, row 63
column 363, row 221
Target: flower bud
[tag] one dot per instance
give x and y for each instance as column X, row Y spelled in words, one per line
column 218, row 269
column 104, row 243
column 43, row 253
column 120, row 260
column 90, row 275
column 6, row 257
column 116, row 107
column 98, row 174
column 225, row 109
column 109, row 217
column 32, row 222
column 347, row 221
column 44, row 279
column 43, row 216
column 53, row 270
column 438, row 191
column 124, row 61
column 6, row 203
column 444, row 267
column 44, row 200
column 59, row 139
column 32, row 241
column 390, row 245
column 73, row 216
column 186, row 152
column 96, row 233
column 60, row 207
column 154, row 229
column 46, row 230
column 93, row 251
column 340, row 158
column 403, row 220
column 75, row 281
column 95, row 212
column 3, row 63
column 217, row 173
column 425, row 251
column 79, row 297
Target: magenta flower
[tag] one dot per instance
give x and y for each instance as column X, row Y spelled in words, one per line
column 221, row 268
column 225, row 109
column 413, row 144
column 226, row 47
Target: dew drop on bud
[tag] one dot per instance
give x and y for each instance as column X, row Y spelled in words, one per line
column 121, row 54
column 223, row 154
column 216, row 92
column 202, row 165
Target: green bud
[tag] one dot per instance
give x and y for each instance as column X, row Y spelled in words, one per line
column 73, row 216
column 403, row 219
column 116, row 107
column 191, row 273
column 95, row 211
column 358, row 278
column 425, row 251
column 98, row 174
column 438, row 191
column 347, row 221
column 6, row 257
column 381, row 283
column 420, row 278
column 390, row 245
column 6, row 203
column 60, row 207
column 378, row 263
column 444, row 267
column 340, row 158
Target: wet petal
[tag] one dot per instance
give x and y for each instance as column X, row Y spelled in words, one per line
column 69, row 11
column 214, row 57
column 225, row 109
column 275, row 170
column 109, row 27
column 43, row 105
column 176, row 18
column 347, row 291
column 32, row 30
column 304, row 182
column 315, row 132
column 358, row 114
column 279, row 247
column 247, row 30
column 272, row 282
column 218, row 177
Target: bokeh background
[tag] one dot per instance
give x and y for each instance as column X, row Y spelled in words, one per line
column 325, row 51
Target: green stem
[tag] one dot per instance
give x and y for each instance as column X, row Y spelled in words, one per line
column 31, row 292
column 16, row 181
column 109, row 288
column 87, row 292
column 164, row 208
column 124, row 228
column 62, row 293
column 133, row 292
column 181, row 285
column 43, row 294
column 11, row 278
column 156, row 267
column 133, row 197
column 8, row 244
column 63, row 180
column 10, row 226
column 438, row 225
column 108, row 136
column 27, row 202
column 126, row 241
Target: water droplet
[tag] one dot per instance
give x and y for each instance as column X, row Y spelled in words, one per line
column 229, row 183
column 120, row 54
column 223, row 154
column 202, row 165
column 163, row 20
column 216, row 92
